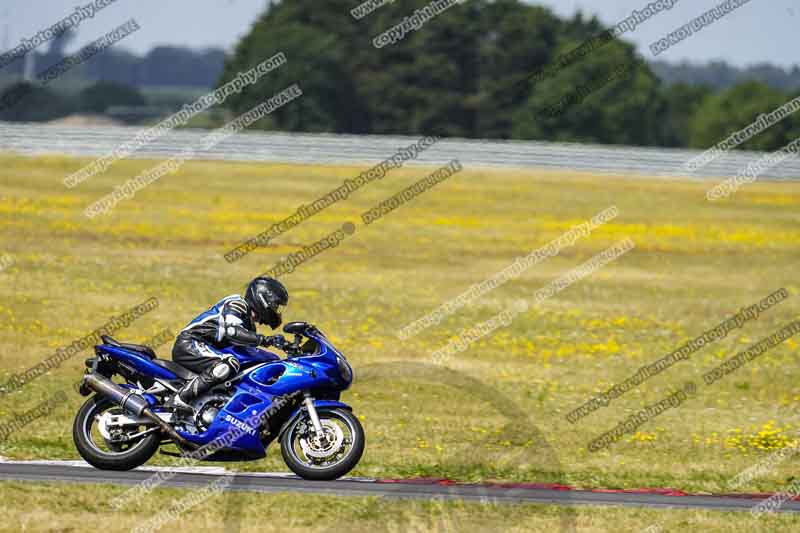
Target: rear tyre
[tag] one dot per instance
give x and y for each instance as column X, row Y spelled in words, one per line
column 102, row 454
column 324, row 461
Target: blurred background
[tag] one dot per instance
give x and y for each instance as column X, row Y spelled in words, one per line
column 457, row 76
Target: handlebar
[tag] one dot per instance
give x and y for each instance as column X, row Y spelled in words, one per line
column 292, row 348
column 300, row 330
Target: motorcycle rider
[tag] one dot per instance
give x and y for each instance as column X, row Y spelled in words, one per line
column 231, row 321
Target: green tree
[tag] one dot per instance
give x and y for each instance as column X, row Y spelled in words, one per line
column 313, row 37
column 104, row 94
column 469, row 72
column 517, row 40
column 722, row 114
column 610, row 96
column 26, row 102
column 683, row 103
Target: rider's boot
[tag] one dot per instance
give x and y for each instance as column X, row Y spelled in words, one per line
column 181, row 402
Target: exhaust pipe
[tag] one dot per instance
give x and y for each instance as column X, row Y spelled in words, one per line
column 132, row 403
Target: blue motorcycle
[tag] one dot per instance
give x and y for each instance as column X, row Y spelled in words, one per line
column 294, row 401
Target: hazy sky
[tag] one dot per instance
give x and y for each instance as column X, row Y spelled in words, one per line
column 760, row 31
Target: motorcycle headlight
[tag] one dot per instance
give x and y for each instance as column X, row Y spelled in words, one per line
column 344, row 369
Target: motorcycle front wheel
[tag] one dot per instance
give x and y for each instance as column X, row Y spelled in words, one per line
column 330, row 456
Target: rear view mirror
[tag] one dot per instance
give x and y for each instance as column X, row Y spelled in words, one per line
column 295, row 328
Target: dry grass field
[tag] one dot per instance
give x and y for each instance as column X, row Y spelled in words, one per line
column 495, row 411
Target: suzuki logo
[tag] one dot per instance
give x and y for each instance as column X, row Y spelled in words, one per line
column 239, row 424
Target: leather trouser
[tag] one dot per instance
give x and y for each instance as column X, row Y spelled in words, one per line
column 213, row 367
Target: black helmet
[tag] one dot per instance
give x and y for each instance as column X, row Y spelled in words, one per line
column 267, row 297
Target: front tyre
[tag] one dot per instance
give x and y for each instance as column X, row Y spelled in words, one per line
column 329, row 457
column 105, row 454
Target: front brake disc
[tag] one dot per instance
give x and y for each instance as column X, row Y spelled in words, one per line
column 334, row 436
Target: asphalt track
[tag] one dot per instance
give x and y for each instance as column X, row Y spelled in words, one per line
column 78, row 472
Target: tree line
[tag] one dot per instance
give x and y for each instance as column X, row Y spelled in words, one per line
column 459, row 75
column 472, row 71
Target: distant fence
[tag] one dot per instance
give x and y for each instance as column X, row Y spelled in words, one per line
column 87, row 141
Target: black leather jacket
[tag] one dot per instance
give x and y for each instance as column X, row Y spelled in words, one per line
column 227, row 322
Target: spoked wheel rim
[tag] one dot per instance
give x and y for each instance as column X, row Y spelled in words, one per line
column 320, row 454
column 93, row 431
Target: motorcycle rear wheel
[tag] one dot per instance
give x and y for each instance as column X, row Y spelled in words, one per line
column 120, row 457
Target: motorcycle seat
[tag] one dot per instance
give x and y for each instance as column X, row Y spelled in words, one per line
column 177, row 369
column 137, row 348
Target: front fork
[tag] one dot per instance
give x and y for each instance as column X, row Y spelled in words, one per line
column 312, row 413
